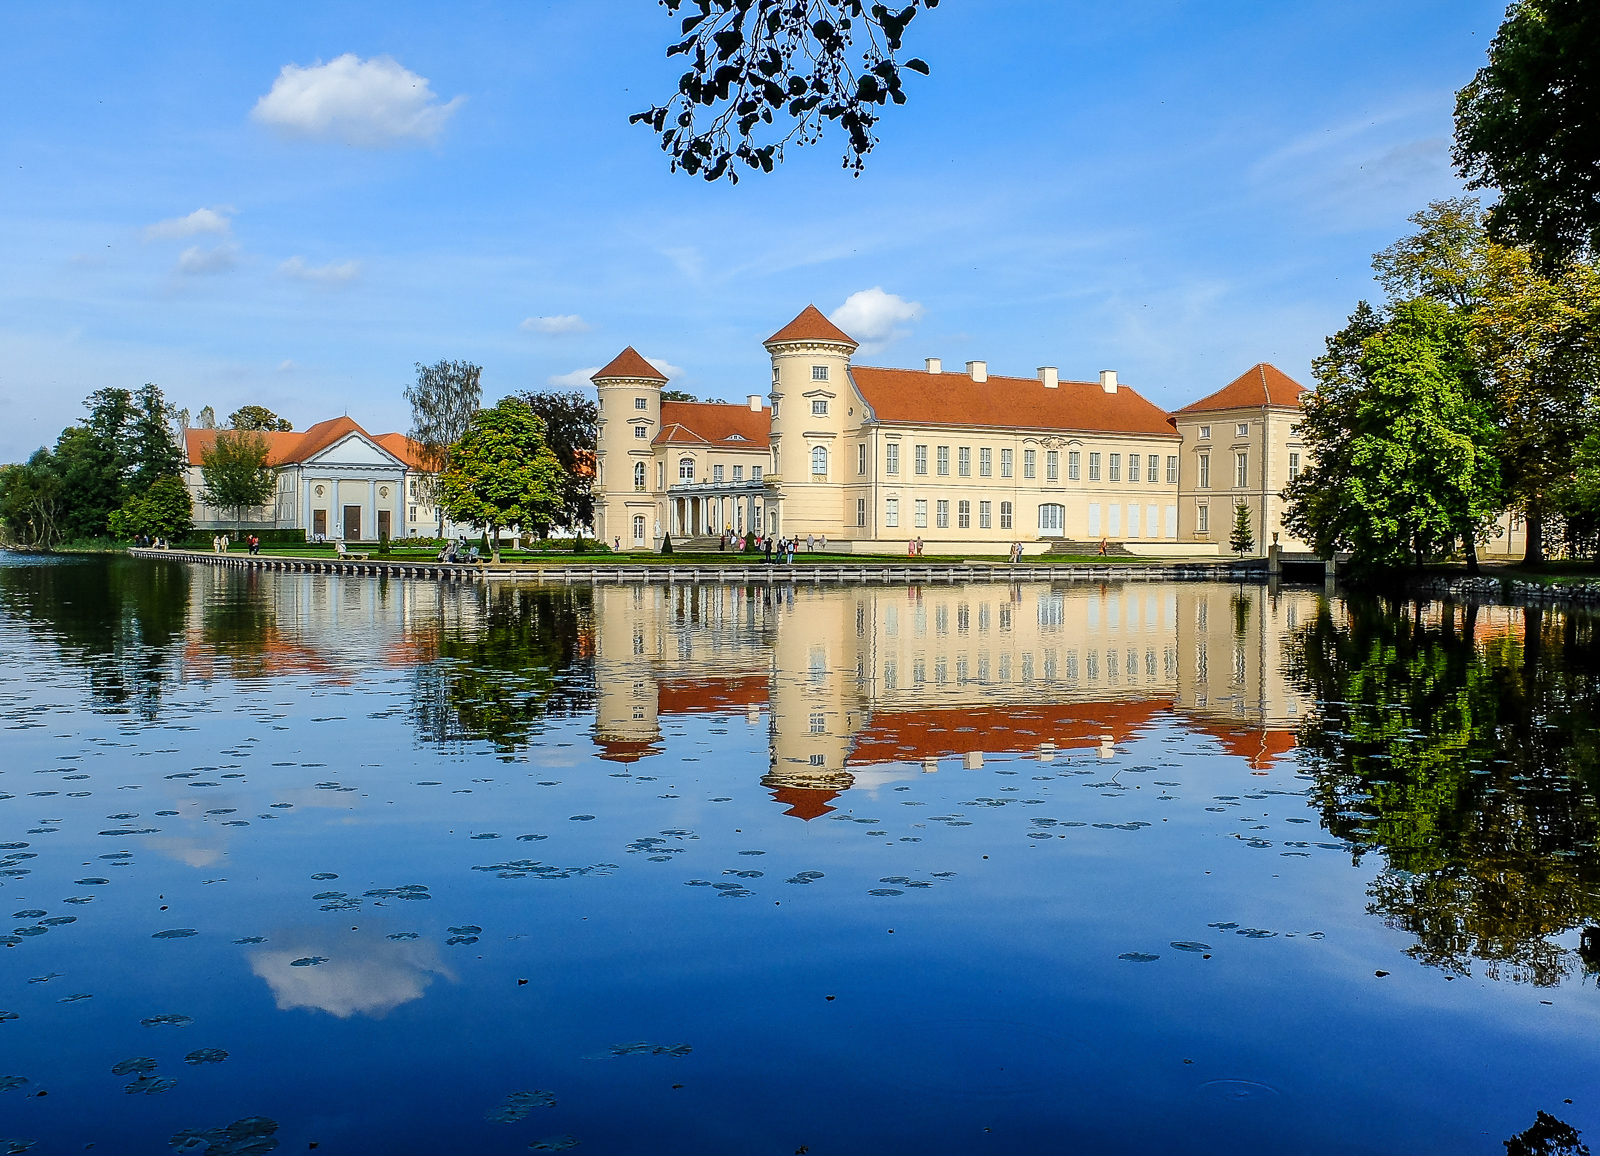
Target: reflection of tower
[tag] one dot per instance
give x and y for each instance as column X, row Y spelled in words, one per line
column 628, row 490
column 627, row 642
column 816, row 700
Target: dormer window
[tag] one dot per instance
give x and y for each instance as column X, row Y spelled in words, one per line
column 819, row 405
column 819, row 373
column 735, row 438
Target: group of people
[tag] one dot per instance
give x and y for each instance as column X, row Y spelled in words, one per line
column 146, row 542
column 458, row 551
column 767, row 546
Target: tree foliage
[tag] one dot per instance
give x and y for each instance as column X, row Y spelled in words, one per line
column 154, row 451
column 237, row 476
column 1402, row 460
column 501, row 472
column 785, row 65
column 1241, row 540
column 443, row 399
column 30, row 500
column 1529, row 125
column 258, row 417
column 571, row 424
column 162, row 510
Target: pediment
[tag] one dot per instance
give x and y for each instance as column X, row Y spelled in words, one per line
column 354, row 450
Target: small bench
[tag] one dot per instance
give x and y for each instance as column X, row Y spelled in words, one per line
column 339, row 549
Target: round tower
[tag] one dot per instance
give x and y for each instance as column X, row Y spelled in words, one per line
column 628, row 499
column 813, row 403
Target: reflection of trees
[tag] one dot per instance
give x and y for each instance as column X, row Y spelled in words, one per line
column 1471, row 766
column 121, row 618
column 531, row 657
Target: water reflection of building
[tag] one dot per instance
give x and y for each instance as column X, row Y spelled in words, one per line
column 859, row 682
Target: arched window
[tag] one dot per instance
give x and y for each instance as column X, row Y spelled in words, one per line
column 686, row 469
column 1052, row 518
column 819, row 460
column 638, row 475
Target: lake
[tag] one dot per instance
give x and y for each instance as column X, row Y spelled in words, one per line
column 306, row 861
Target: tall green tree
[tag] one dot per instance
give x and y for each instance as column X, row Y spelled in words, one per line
column 570, row 427
column 1529, row 125
column 30, row 500
column 154, row 451
column 1402, row 448
column 237, row 476
column 258, row 417
column 162, row 509
column 502, row 473
column 443, row 399
column 92, row 461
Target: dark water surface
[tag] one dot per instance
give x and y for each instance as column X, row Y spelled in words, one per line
column 389, row 867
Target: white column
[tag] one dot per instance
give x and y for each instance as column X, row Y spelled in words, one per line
column 371, row 531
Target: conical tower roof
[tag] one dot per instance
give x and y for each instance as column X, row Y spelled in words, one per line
column 629, row 364
column 811, row 325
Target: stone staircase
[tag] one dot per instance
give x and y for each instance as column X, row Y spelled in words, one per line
column 705, row 544
column 1072, row 546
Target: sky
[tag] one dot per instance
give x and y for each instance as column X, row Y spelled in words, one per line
column 291, row 204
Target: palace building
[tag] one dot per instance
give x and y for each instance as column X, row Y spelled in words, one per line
column 966, row 460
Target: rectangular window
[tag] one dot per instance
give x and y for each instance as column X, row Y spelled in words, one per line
column 1005, row 463
column 986, row 462
column 755, row 473
column 819, row 405
column 1152, row 466
column 919, row 514
column 641, row 403
column 1172, row 469
column 891, row 458
column 1205, row 471
column 1205, row 431
column 774, row 403
column 1294, row 465
column 1241, row 469
column 738, row 473
column 1133, row 521
column 1114, row 516
column 1133, row 467
column 1074, row 465
column 1203, row 524
column 716, row 473
column 941, row 514
column 984, row 522
column 819, row 373
column 1242, row 429
column 922, row 461
column 1115, row 468
column 1171, row 527
column 964, row 462
column 1094, row 467
column 641, row 432
column 1094, row 519
column 1052, row 465
column 1029, row 469
column 943, row 459
column 413, row 513
column 1005, row 515
column 963, row 515
column 661, row 475
column 891, row 513
column 861, row 511
column 861, row 458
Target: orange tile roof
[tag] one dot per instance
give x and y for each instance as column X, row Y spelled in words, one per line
column 1259, row 385
column 629, row 363
column 403, row 448
column 811, row 325
column 289, row 447
column 733, row 427
column 917, row 397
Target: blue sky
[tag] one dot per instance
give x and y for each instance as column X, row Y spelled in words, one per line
column 1172, row 190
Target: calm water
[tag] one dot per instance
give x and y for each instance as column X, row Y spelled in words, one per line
column 1191, row 868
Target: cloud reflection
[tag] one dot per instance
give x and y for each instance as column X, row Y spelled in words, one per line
column 363, row 974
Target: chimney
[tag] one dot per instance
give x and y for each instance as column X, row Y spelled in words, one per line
column 979, row 370
column 1108, row 380
column 1050, row 376
column 934, row 365
column 755, row 402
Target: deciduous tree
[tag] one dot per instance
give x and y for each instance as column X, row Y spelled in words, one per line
column 570, row 425
column 790, row 66
column 162, row 510
column 501, row 472
column 153, row 451
column 443, row 399
column 30, row 500
column 258, row 417
column 237, row 476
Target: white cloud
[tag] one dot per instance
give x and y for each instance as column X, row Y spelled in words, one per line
column 329, row 274
column 350, row 975
column 215, row 220
column 557, row 325
column 364, row 103
column 288, row 365
column 195, row 261
column 875, row 318
column 577, row 379
column 666, row 367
